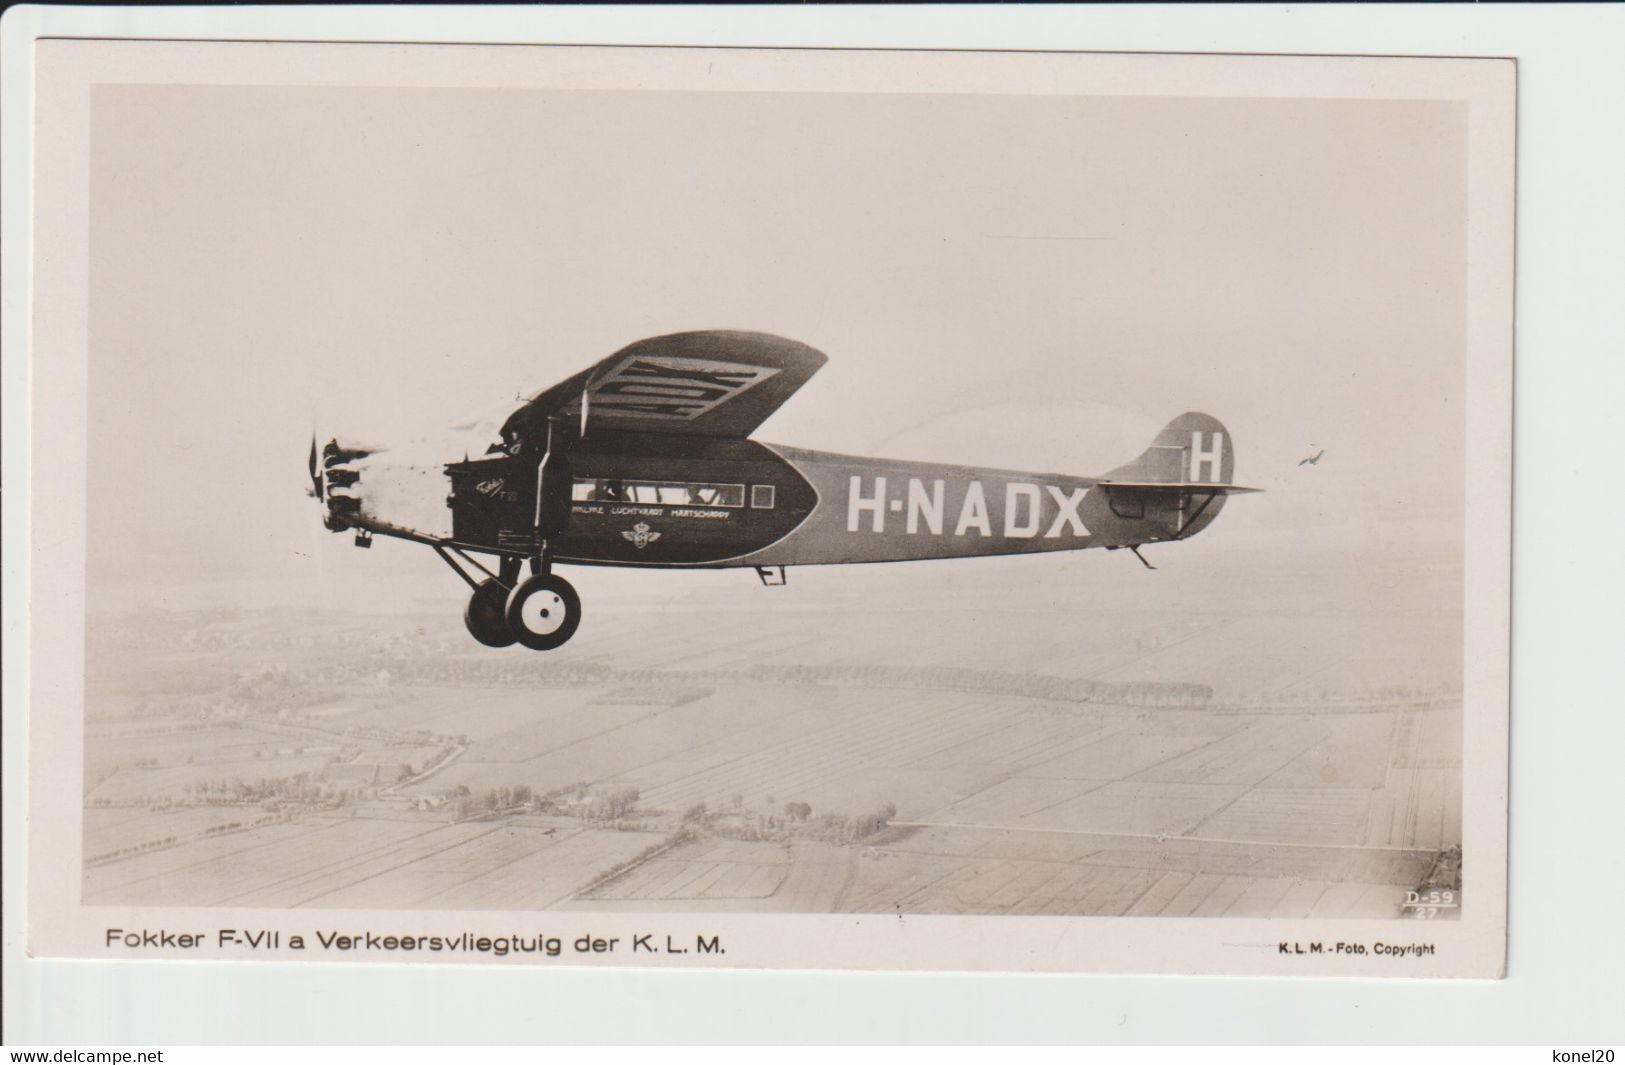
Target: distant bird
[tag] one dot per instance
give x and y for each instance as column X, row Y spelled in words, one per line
column 1313, row 459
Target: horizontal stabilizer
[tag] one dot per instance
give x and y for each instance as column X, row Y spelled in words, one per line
column 1182, row 486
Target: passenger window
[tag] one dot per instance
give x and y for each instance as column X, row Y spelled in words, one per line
column 662, row 493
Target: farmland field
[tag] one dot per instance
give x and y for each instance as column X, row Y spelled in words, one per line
column 1215, row 741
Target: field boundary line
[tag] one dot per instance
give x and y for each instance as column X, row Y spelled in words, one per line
column 1162, row 837
column 614, row 874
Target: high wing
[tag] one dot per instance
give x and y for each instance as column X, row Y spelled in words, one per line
column 713, row 382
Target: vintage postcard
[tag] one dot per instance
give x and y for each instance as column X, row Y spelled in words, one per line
column 770, row 508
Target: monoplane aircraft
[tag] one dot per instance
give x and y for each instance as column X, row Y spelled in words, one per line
column 646, row 459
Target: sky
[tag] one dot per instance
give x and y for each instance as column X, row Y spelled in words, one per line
column 1022, row 281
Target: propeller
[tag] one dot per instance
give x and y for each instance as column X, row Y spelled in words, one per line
column 316, row 489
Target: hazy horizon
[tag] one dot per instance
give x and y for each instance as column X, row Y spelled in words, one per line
column 1036, row 282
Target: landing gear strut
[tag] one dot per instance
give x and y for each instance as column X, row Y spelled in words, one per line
column 543, row 611
column 540, row 612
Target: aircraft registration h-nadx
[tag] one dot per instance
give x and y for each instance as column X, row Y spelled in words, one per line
column 646, row 459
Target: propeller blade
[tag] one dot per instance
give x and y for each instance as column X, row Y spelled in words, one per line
column 315, row 469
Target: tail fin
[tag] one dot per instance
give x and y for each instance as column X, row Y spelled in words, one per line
column 1192, row 451
column 1173, row 490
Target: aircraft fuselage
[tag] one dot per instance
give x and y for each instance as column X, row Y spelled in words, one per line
column 646, row 500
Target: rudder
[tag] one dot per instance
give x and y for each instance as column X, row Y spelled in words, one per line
column 1193, row 449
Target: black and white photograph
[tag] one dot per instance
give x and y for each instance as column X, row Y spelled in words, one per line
column 730, row 495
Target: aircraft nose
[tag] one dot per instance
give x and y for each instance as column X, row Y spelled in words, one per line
column 335, row 481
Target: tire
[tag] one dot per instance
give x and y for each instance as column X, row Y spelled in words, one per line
column 543, row 612
column 486, row 615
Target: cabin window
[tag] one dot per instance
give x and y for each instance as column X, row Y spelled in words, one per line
column 659, row 493
column 761, row 497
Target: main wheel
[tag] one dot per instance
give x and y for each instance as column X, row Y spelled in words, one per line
column 543, row 612
column 486, row 615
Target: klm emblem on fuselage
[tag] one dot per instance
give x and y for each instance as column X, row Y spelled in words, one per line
column 641, row 535
column 924, row 508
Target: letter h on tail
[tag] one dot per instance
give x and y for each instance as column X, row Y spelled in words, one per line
column 1207, row 465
